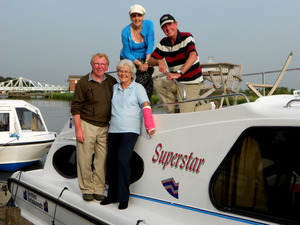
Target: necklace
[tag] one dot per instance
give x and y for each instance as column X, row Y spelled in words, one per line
column 137, row 32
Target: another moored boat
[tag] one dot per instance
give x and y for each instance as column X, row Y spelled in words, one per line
column 24, row 138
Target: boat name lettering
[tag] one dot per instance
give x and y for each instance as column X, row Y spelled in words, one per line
column 177, row 160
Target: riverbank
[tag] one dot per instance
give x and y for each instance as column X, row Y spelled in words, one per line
column 63, row 96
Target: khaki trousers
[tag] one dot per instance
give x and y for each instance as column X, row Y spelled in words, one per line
column 92, row 182
column 169, row 92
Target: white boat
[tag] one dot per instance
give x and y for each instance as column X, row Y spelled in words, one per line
column 233, row 165
column 24, row 138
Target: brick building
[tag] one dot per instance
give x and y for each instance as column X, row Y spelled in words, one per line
column 73, row 79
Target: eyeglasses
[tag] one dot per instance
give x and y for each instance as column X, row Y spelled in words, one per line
column 124, row 71
column 99, row 64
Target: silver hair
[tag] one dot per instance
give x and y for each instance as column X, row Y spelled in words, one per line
column 129, row 64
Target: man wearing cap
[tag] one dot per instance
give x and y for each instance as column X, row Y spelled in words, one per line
column 179, row 51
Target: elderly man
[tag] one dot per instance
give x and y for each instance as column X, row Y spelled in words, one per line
column 179, row 51
column 91, row 110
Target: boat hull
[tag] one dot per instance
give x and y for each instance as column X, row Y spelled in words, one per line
column 19, row 155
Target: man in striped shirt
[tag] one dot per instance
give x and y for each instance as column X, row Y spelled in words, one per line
column 178, row 50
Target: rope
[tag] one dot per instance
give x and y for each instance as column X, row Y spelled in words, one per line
column 53, row 221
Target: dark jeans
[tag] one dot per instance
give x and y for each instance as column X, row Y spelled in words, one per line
column 120, row 149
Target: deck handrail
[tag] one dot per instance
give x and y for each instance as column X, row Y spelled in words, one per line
column 291, row 101
column 202, row 99
column 266, row 72
column 273, row 71
column 183, row 89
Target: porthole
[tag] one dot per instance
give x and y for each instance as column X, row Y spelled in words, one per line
column 64, row 161
column 137, row 167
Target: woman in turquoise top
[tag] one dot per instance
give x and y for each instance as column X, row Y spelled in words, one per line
column 129, row 105
column 138, row 43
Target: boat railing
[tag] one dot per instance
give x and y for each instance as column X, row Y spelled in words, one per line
column 183, row 89
column 203, row 99
column 291, row 101
column 263, row 75
column 184, row 100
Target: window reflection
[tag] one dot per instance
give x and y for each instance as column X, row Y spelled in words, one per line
column 29, row 120
column 261, row 175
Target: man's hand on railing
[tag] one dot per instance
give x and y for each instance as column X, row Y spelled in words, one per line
column 173, row 76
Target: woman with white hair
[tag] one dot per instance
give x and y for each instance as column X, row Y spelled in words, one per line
column 138, row 43
column 129, row 103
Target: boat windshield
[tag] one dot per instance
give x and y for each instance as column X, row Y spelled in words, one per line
column 30, row 120
column 4, row 122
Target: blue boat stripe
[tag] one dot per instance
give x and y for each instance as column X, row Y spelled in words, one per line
column 198, row 210
column 15, row 166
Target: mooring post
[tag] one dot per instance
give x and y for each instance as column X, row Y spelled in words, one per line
column 12, row 216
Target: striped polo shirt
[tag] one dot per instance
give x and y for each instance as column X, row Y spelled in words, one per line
column 176, row 55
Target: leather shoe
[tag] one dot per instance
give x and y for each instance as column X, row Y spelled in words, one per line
column 123, row 205
column 87, row 197
column 106, row 201
column 98, row 197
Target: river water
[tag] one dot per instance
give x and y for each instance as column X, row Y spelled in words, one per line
column 56, row 114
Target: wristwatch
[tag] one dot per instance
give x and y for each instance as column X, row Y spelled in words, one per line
column 179, row 71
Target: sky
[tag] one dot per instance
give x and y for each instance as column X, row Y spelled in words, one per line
column 48, row 40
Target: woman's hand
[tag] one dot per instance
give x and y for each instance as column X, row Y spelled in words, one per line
column 151, row 132
column 143, row 67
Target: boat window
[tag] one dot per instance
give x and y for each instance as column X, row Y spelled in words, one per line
column 260, row 177
column 30, row 120
column 4, row 122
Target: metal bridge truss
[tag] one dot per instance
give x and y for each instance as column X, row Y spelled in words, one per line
column 22, row 84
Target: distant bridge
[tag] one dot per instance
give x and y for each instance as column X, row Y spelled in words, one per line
column 22, row 84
